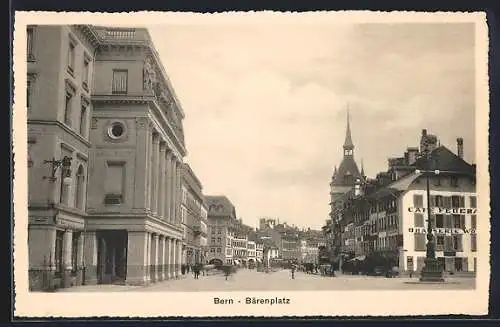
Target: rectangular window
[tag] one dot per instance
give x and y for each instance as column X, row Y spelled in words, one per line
column 473, row 202
column 419, row 220
column 473, row 221
column 83, row 121
column 114, row 186
column 219, row 250
column 454, row 181
column 439, row 201
column 71, row 57
column 30, row 37
column 448, row 243
column 212, row 250
column 459, row 221
column 67, row 107
column 439, row 221
column 219, row 240
column 437, row 181
column 420, row 242
column 86, row 72
column 455, row 201
column 446, row 202
column 473, row 242
column 120, row 81
column 418, row 201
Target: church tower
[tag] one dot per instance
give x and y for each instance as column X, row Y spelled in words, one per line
column 344, row 178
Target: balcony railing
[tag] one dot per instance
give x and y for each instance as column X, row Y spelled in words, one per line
column 120, row 33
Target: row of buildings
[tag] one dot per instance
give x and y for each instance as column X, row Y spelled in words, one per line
column 387, row 215
column 110, row 197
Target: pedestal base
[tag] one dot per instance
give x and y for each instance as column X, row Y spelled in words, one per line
column 432, row 271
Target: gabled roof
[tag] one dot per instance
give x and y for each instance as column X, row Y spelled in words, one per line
column 445, row 160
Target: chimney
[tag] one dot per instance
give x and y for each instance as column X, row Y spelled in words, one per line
column 460, row 147
column 424, row 132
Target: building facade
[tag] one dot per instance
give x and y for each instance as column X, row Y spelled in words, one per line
column 251, row 253
column 105, row 147
column 193, row 217
column 222, row 227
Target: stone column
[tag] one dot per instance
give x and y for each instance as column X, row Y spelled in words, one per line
column 161, row 182
column 161, row 273
column 80, row 263
column 173, row 261
column 155, row 257
column 90, row 258
column 67, row 254
column 168, row 257
column 178, row 192
column 156, row 153
column 150, row 170
column 168, row 186
column 137, row 258
column 173, row 201
column 178, row 256
column 175, row 192
column 141, row 178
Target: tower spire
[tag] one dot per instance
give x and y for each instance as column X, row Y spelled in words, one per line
column 362, row 168
column 348, row 145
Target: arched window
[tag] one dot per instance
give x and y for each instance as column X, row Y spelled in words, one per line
column 79, row 193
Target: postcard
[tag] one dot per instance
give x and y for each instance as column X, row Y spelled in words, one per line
column 250, row 164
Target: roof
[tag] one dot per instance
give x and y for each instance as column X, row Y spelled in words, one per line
column 347, row 166
column 220, row 205
column 444, row 160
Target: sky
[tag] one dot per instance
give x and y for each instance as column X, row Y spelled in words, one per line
column 266, row 105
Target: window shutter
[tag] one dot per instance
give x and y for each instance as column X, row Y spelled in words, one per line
column 461, row 202
column 473, row 242
column 459, row 243
column 419, row 242
column 448, row 221
column 447, row 202
column 462, row 222
column 473, row 221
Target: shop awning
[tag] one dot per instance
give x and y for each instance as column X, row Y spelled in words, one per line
column 236, row 261
column 259, row 260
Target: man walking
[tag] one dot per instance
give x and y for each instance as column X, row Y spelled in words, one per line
column 293, row 271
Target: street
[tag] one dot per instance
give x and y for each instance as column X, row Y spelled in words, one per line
column 251, row 280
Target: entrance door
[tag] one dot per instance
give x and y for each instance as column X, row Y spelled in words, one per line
column 112, row 256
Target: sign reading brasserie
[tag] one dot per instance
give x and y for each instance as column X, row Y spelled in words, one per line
column 445, row 211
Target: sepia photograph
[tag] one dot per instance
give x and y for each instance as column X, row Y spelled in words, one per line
column 253, row 163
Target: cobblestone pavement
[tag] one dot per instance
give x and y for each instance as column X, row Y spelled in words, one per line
column 251, row 280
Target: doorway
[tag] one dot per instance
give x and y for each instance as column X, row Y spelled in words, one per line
column 112, row 256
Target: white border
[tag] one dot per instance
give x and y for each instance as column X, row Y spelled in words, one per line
column 353, row 303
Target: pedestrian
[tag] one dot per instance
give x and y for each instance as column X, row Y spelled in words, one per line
column 293, row 271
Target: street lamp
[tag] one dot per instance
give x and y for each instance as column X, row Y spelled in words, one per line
column 432, row 270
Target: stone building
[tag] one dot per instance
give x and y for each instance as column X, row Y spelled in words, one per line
column 111, row 212
column 222, row 227
column 193, row 219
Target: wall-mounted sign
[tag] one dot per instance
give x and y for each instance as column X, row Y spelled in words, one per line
column 445, row 211
column 443, row 231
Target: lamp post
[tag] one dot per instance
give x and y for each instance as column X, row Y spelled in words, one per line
column 432, row 270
